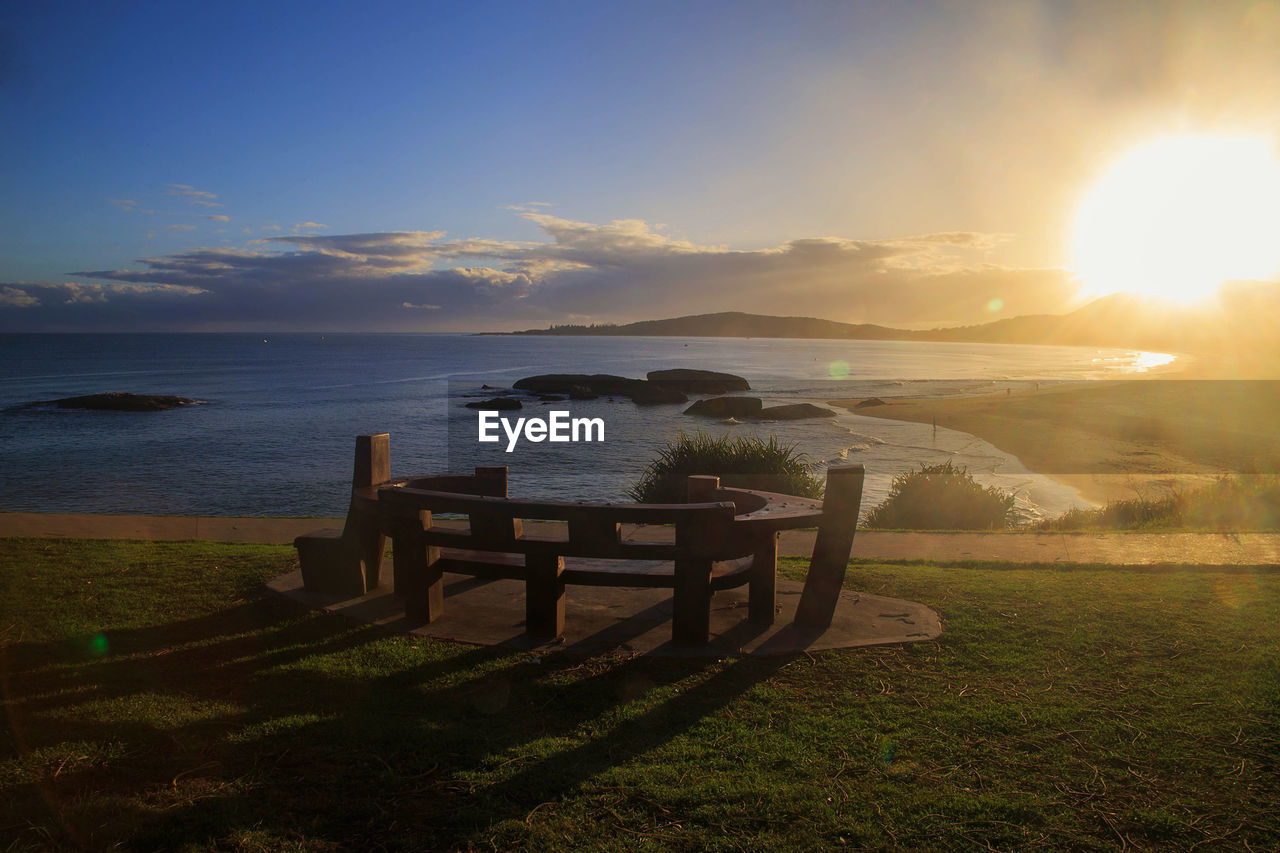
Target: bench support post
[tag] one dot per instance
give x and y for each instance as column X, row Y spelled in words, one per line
column 762, row 594
column 544, row 596
column 822, row 585
column 415, row 564
column 691, row 621
column 372, row 468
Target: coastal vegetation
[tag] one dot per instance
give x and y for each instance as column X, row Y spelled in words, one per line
column 157, row 696
column 740, row 461
column 1235, row 503
column 942, row 497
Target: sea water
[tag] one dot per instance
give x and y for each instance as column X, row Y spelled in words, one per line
column 275, row 432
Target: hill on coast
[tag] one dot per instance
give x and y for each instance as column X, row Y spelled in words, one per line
column 1237, row 325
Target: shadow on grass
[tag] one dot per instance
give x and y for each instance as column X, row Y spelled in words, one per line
column 261, row 724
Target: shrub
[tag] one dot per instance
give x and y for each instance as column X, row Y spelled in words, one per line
column 942, row 497
column 740, row 461
column 1230, row 503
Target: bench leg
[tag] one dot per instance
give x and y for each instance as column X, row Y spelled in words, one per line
column 762, row 601
column 372, row 546
column 418, row 579
column 544, row 596
column 691, row 622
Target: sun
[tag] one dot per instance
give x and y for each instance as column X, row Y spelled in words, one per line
column 1177, row 217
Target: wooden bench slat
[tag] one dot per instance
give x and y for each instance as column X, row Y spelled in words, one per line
column 590, row 571
column 449, row 502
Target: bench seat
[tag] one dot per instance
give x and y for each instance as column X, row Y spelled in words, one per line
column 592, row 571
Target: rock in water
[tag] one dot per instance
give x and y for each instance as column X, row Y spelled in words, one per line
column 582, row 386
column 561, row 383
column 699, row 381
column 118, row 401
column 793, row 412
column 500, row 403
column 726, row 407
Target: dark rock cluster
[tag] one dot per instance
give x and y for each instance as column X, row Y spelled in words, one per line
column 116, row 401
column 659, row 386
column 751, row 408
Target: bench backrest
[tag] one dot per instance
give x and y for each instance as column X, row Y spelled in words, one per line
column 590, row 530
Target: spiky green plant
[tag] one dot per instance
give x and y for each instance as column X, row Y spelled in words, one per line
column 740, row 461
column 942, row 497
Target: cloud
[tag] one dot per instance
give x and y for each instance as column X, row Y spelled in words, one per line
column 71, row 306
column 189, row 192
column 16, row 297
column 300, row 225
column 526, row 207
column 179, row 228
column 130, row 205
column 193, row 195
column 605, row 272
column 217, row 217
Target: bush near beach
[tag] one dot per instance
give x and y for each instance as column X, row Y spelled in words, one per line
column 1238, row 503
column 748, row 462
column 942, row 497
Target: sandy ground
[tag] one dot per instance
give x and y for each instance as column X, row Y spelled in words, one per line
column 1114, row 440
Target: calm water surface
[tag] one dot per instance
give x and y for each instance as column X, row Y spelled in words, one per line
column 275, row 434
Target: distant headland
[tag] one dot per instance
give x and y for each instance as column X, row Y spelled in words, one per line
column 1122, row 320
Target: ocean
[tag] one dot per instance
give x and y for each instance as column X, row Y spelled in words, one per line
column 275, row 432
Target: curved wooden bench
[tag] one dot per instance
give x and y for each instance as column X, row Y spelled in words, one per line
column 723, row 538
column 704, row 556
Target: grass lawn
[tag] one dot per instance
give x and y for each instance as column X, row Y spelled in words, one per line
column 157, row 697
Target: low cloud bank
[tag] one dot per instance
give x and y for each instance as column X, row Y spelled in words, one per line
column 617, row 272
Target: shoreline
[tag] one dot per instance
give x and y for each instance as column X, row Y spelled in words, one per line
column 1116, row 439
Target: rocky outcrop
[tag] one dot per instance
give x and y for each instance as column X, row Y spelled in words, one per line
column 649, row 394
column 117, row 401
column 793, row 412
column 699, row 381
column 499, row 403
column 561, row 383
column 869, row 402
column 583, row 386
column 726, row 407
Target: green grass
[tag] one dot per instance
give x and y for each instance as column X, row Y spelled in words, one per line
column 157, row 697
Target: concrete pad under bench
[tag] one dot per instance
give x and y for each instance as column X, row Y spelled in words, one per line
column 492, row 613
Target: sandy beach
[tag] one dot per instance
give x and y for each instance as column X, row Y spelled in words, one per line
column 1115, row 440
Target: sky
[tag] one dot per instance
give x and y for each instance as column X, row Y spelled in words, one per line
column 421, row 166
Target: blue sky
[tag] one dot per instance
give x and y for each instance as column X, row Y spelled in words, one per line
column 505, row 165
